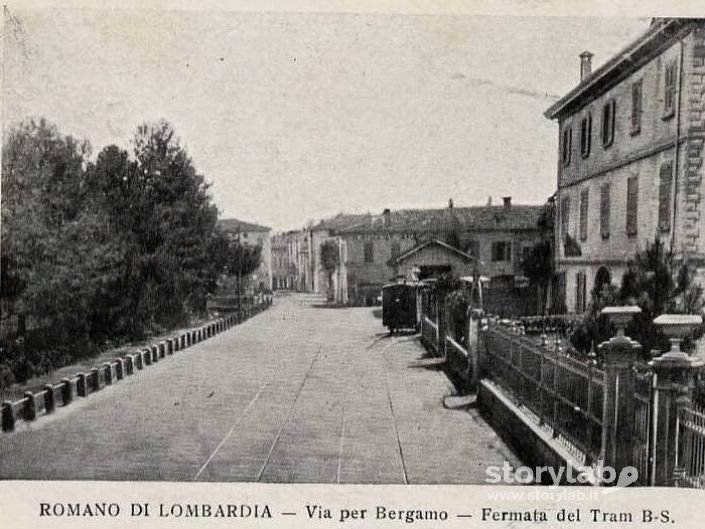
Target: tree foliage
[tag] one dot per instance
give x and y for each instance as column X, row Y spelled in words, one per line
column 103, row 251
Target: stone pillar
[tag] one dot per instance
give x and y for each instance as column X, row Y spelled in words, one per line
column 474, row 325
column 674, row 385
column 8, row 416
column 138, row 361
column 129, row 365
column 29, row 410
column 49, row 401
column 147, row 357
column 119, row 368
column 155, row 353
column 82, row 386
column 95, row 379
column 66, row 391
column 619, row 353
column 108, row 368
column 170, row 346
column 162, row 349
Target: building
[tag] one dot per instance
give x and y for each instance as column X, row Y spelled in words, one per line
column 290, row 261
column 251, row 234
column 630, row 160
column 372, row 246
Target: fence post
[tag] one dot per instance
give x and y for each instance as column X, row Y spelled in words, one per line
column 619, row 354
column 673, row 386
column 473, row 346
column 29, row 410
column 49, row 401
column 8, row 416
column 66, row 391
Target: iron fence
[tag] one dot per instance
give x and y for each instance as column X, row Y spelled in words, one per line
column 691, row 447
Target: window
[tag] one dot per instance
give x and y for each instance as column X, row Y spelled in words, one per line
column 608, row 113
column 370, row 252
column 636, row 107
column 501, row 251
column 580, row 292
column 526, row 252
column 669, row 89
column 664, row 197
column 567, row 145
column 565, row 216
column 605, row 210
column 585, row 135
column 584, row 196
column 632, row 200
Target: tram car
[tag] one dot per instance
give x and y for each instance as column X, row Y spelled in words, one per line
column 399, row 307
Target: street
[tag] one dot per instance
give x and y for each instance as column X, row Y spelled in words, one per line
column 299, row 393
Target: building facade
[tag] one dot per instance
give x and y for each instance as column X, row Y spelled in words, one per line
column 251, row 234
column 291, row 261
column 630, row 158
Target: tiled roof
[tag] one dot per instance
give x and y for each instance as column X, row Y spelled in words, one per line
column 235, row 225
column 342, row 221
column 474, row 218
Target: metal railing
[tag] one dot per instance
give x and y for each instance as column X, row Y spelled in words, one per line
column 429, row 333
column 691, row 448
column 564, row 395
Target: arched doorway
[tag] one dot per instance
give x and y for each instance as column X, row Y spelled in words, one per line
column 602, row 277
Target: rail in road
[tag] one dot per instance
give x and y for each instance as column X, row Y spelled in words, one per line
column 298, row 393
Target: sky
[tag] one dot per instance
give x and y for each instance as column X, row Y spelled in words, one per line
column 297, row 116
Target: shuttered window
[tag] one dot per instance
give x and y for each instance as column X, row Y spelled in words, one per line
column 580, row 292
column 608, row 114
column 664, row 196
column 584, row 197
column 605, row 210
column 565, row 216
column 632, row 204
column 636, row 107
column 585, row 135
column 567, row 145
column 669, row 89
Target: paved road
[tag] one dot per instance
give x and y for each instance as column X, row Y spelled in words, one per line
column 299, row 393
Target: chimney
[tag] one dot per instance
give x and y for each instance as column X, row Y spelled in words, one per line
column 386, row 217
column 450, row 203
column 585, row 65
column 507, row 202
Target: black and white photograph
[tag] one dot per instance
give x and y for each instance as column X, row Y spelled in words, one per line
column 358, row 248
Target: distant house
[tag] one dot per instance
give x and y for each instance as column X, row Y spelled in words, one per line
column 291, row 268
column 496, row 237
column 432, row 259
column 252, row 234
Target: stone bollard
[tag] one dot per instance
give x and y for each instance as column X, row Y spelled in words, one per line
column 619, row 353
column 139, row 360
column 8, row 416
column 66, row 391
column 170, row 346
column 82, row 385
column 129, row 365
column 95, row 379
column 147, row 357
column 119, row 368
column 155, row 353
column 162, row 349
column 49, row 401
column 29, row 409
column 108, row 368
column 674, row 386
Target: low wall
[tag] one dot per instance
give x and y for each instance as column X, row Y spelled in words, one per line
column 534, row 446
column 44, row 402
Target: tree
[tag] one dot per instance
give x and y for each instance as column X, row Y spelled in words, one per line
column 330, row 260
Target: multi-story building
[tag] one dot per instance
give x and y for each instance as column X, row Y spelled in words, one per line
column 630, row 161
column 496, row 237
column 251, row 234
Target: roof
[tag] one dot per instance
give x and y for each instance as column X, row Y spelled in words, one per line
column 236, row 225
column 434, row 242
column 474, row 218
column 661, row 32
column 342, row 221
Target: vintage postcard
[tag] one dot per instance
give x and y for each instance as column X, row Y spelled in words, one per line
column 352, row 265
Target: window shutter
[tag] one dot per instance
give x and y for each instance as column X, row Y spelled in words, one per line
column 632, row 201
column 605, row 210
column 584, row 197
column 565, row 216
column 578, row 293
column 636, row 106
column 664, row 197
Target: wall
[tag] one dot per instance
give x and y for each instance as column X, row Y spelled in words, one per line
column 518, row 239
